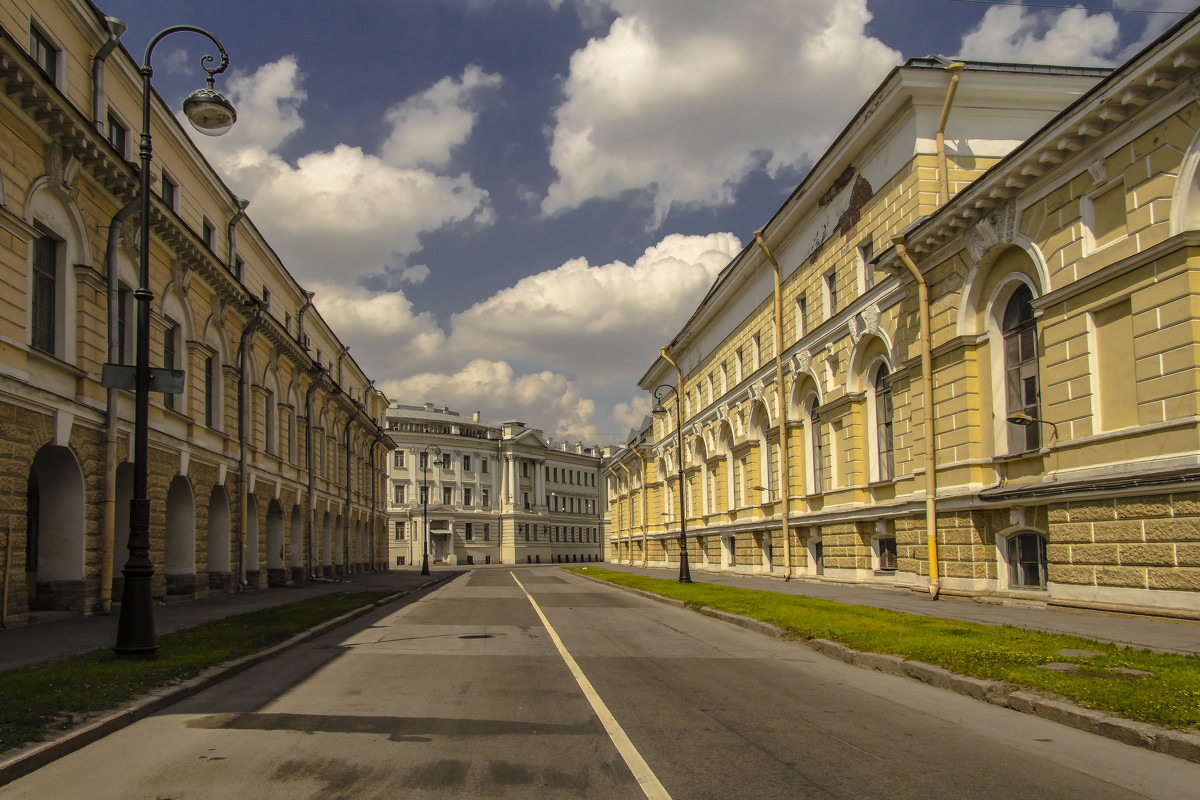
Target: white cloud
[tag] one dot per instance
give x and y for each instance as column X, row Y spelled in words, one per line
column 1008, row 33
column 428, row 126
column 543, row 350
column 630, row 415
column 344, row 209
column 545, row 400
column 685, row 98
column 603, row 323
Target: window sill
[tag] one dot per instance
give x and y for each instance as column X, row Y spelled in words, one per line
column 1009, row 457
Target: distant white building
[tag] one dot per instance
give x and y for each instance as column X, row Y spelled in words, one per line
column 493, row 492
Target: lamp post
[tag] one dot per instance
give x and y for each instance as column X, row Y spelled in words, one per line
column 685, row 573
column 211, row 114
column 425, row 502
column 1024, row 420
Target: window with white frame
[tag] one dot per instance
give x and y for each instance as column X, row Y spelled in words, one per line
column 884, row 449
column 170, row 357
column 816, row 448
column 44, row 53
column 399, row 494
column 1026, row 552
column 117, row 134
column 44, row 305
column 399, row 532
column 1021, row 382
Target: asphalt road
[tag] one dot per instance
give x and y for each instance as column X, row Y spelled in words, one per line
column 467, row 692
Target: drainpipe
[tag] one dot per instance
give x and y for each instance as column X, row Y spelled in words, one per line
column 109, row 524
column 232, row 235
column 346, row 526
column 645, row 509
column 955, row 69
column 244, row 431
column 308, row 303
column 927, row 402
column 115, row 28
column 341, row 355
column 375, row 475
column 321, row 376
column 784, row 477
column 629, row 479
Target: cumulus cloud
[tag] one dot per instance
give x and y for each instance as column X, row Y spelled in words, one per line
column 630, row 415
column 543, row 349
column 426, row 127
column 684, row 98
column 1073, row 36
column 345, row 209
column 546, row 400
column 600, row 322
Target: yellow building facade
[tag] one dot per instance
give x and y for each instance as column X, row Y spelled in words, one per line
column 268, row 467
column 1041, row 440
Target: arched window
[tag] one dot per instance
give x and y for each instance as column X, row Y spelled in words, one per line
column 883, row 425
column 1022, row 393
column 818, row 449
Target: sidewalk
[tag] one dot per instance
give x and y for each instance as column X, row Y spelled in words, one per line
column 55, row 641
column 1143, row 632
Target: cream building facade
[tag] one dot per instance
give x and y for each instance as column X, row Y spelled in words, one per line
column 986, row 376
column 268, row 468
column 494, row 493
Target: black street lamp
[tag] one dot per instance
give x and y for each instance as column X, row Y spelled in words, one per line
column 685, row 573
column 211, row 114
column 425, row 502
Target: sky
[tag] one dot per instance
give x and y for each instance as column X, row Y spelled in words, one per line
column 509, row 206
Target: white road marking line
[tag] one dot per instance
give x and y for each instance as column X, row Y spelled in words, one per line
column 633, row 759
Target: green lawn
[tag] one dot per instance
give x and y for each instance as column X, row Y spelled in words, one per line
column 37, row 700
column 1171, row 697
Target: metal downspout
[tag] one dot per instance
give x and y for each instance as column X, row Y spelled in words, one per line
column 629, row 480
column 346, row 525
column 955, row 69
column 645, row 509
column 322, row 374
column 232, row 235
column 784, row 476
column 927, row 402
column 109, row 523
column 684, row 568
column 243, row 432
column 115, row 28
column 308, row 303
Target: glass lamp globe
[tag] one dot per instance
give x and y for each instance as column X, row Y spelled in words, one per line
column 209, row 111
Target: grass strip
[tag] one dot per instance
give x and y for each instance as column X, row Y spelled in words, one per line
column 1169, row 697
column 38, row 700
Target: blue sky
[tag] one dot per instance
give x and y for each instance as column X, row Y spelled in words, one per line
column 510, row 205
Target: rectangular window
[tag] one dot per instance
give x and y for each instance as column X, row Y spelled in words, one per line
column 866, row 272
column 526, row 500
column 398, row 494
column 399, row 561
column 487, row 531
column 210, row 411
column 484, row 499
column 44, row 54
column 445, row 461
column 466, row 463
column 424, row 495
column 887, row 554
column 206, row 233
column 447, row 495
column 831, row 298
column 45, row 292
column 466, row 495
column 483, row 465
column 399, row 531
column 524, row 469
column 170, row 348
column 801, row 317
column 169, row 193
column 468, row 531
column 118, row 136
column 556, row 474
column 424, row 460
column 398, row 459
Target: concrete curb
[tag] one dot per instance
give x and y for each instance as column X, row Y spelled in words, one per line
column 1179, row 744
column 35, row 756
